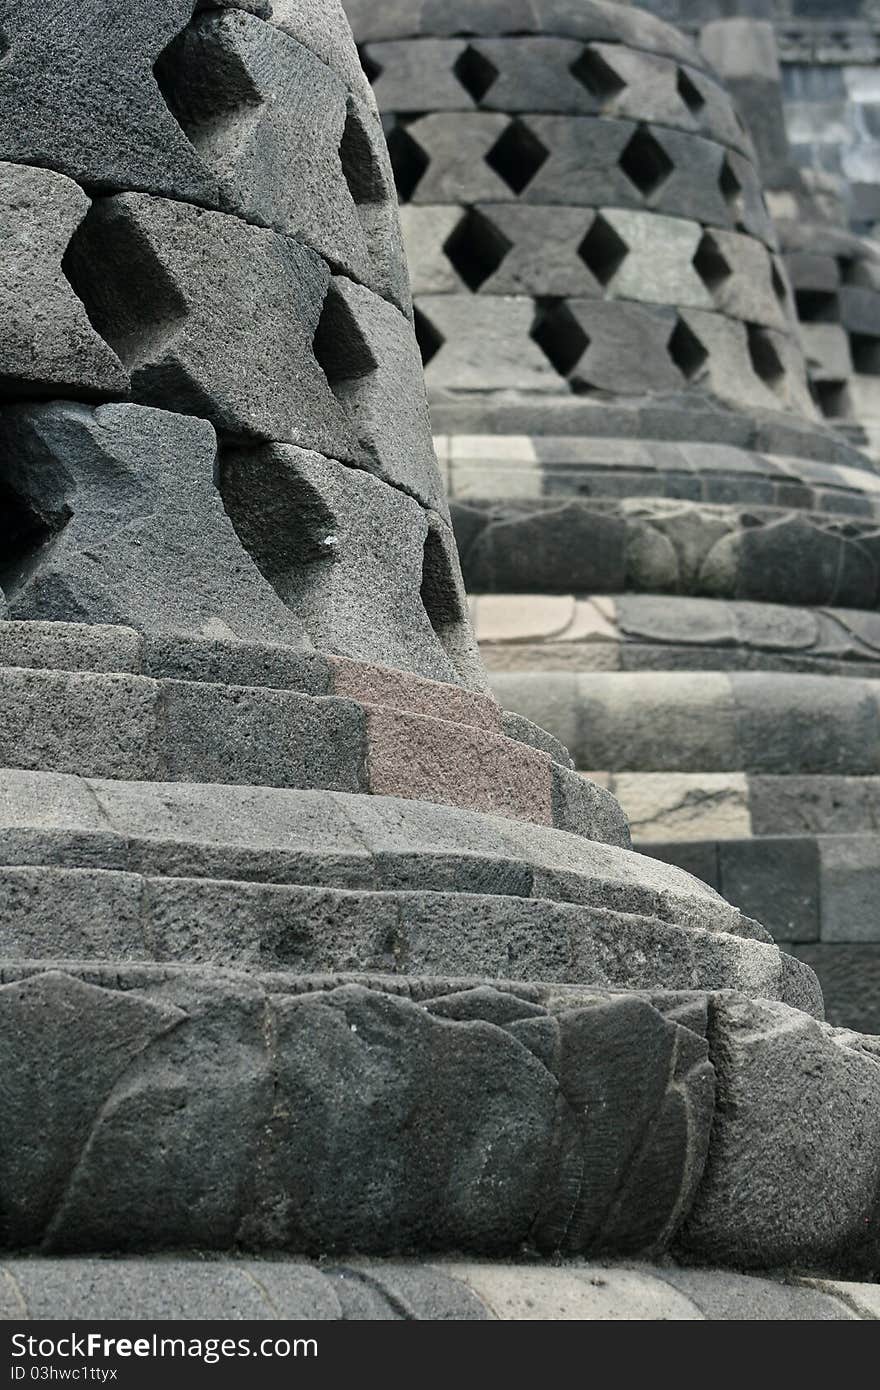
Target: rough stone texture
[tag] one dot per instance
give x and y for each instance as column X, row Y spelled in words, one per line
column 371, row 360
column 439, row 1063
column 48, row 345
column 784, row 1080
column 177, row 291
column 341, row 548
column 274, row 126
column 95, row 111
column 128, row 526
column 450, row 1290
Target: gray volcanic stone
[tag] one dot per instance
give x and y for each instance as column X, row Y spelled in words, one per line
column 506, row 1106
column 177, row 291
column 529, row 553
column 484, row 342
column 136, row 531
column 742, row 1297
column 418, row 77
column 274, row 1289
column 534, row 74
column 374, row 370
column 94, row 108
column 343, row 550
column 789, row 1087
column 267, row 118
column 626, row 347
column 47, row 344
column 850, row 980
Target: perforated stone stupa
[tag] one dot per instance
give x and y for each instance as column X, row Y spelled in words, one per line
column 674, row 562
column 307, row 948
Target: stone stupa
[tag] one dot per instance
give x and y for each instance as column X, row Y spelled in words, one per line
column 309, row 950
column 675, row 563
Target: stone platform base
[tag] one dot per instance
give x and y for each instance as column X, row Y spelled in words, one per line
column 234, row 1290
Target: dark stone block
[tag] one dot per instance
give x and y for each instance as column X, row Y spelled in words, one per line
column 775, row 881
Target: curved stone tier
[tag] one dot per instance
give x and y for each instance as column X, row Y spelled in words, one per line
column 195, row 1107
column 706, row 721
column 230, row 1290
column 664, row 632
column 178, row 710
column 582, row 210
column 413, row 1290
column 653, row 545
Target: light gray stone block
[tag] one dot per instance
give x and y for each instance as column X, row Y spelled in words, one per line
column 343, row 550
column 484, row 343
column 47, row 344
column 136, row 529
column 177, row 290
column 95, row 110
column 788, row 1087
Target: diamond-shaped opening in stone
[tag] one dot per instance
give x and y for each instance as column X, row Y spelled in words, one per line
column 730, row 186
column 371, row 67
column 602, row 250
column 340, row 348
column 766, row 361
column 832, row 398
column 439, row 593
column 476, row 248
column 359, row 161
column 517, row 155
column 690, row 94
column 686, row 351
column 475, row 72
column 195, row 103
column 846, row 266
column 645, row 163
column 130, row 298
column 711, row 264
column 559, row 335
column 597, row 76
column 23, row 532
column 777, row 279
column 817, row 306
column 865, row 354
column 408, row 161
column 429, row 338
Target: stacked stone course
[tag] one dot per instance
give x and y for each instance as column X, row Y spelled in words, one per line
column 309, row 951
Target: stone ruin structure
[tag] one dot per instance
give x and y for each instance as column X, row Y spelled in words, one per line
column 673, row 561
column 834, row 274
column 309, row 950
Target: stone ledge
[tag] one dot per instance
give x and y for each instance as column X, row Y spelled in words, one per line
column 53, row 914
column 559, row 1118
column 631, row 632
column 111, row 724
column 705, row 721
column 179, row 1287
column 329, row 839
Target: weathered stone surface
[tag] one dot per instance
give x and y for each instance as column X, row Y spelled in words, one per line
column 372, row 362
column 47, row 345
column 132, row 528
column 215, row 1288
column 177, row 291
column 789, row 1087
column 201, row 1035
column 276, row 128
column 95, row 110
column 342, row 549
